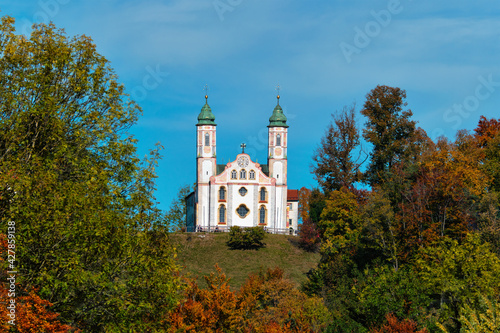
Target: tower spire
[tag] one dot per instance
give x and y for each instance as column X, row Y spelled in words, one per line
column 278, row 88
column 206, row 88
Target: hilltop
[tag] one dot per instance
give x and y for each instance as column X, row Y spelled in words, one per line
column 199, row 252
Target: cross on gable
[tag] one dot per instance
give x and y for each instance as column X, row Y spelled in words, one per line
column 243, row 146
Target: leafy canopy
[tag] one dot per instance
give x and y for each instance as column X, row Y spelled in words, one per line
column 88, row 233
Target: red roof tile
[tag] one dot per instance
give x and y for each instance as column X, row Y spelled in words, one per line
column 293, row 195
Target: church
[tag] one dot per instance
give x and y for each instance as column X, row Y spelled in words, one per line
column 242, row 192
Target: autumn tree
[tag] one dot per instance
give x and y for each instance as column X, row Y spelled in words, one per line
column 486, row 130
column 388, row 128
column 267, row 302
column 487, row 136
column 309, row 236
column 89, row 236
column 304, row 197
column 337, row 160
column 393, row 325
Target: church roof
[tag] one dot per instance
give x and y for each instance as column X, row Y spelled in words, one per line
column 278, row 118
column 206, row 117
column 292, row 195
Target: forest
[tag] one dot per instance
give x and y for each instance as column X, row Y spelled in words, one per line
column 407, row 228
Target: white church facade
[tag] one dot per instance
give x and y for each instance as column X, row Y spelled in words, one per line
column 242, row 192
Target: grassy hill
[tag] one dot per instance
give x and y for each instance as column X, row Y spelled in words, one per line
column 199, row 252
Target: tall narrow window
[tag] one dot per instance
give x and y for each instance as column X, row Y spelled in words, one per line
column 207, row 139
column 222, row 214
column 262, row 215
column 251, row 174
column 278, row 140
column 263, row 194
column 222, row 193
column 243, row 174
column 234, row 174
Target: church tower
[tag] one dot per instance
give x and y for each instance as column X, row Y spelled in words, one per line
column 206, row 165
column 277, row 161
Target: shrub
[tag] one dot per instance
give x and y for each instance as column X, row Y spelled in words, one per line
column 246, row 238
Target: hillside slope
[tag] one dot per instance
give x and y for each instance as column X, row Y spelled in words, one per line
column 199, row 252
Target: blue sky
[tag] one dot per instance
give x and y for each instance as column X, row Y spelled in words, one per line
column 324, row 55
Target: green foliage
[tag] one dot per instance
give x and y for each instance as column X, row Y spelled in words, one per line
column 455, row 274
column 388, row 128
column 88, row 233
column 246, row 238
column 316, row 205
column 176, row 216
column 483, row 318
column 340, row 222
column 380, row 226
column 489, row 220
column 383, row 290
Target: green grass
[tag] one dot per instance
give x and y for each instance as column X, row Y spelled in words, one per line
column 199, row 252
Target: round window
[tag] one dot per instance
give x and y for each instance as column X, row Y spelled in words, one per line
column 243, row 191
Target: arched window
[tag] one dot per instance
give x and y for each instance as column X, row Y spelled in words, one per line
column 243, row 174
column 234, row 174
column 263, row 194
column 222, row 193
column 262, row 215
column 222, row 214
column 207, row 139
column 251, row 174
column 278, row 140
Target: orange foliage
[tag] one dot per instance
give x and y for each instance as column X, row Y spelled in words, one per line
column 214, row 309
column 31, row 312
column 486, row 130
column 304, row 194
column 438, row 202
column 266, row 303
column 393, row 325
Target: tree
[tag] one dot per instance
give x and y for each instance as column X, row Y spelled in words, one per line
column 316, row 205
column 176, row 215
column 487, row 136
column 393, row 325
column 335, row 165
column 486, row 130
column 88, row 236
column 380, row 225
column 304, row 197
column 489, row 220
column 31, row 313
column 457, row 274
column 484, row 318
column 388, row 128
column 309, row 236
column 267, row 302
